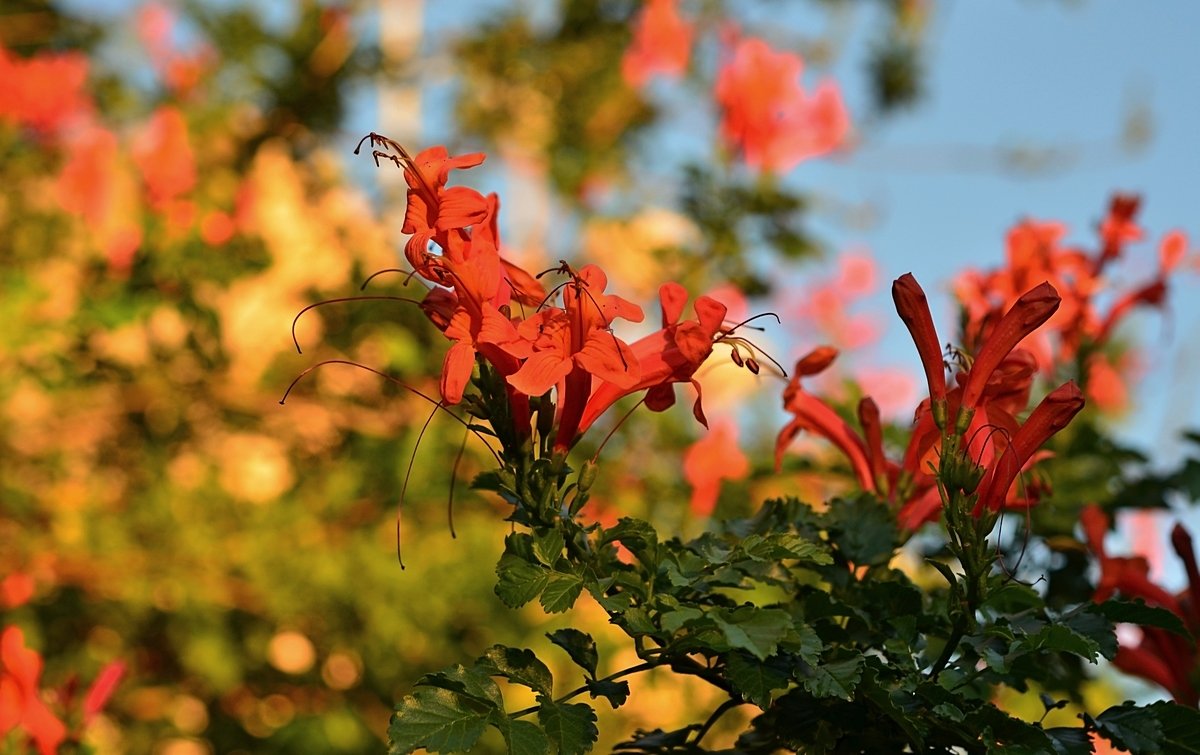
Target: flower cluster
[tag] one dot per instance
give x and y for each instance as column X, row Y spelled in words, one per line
column 977, row 417
column 21, row 704
column 1163, row 657
column 1086, row 319
column 492, row 310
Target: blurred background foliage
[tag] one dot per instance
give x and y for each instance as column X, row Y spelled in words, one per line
column 174, row 192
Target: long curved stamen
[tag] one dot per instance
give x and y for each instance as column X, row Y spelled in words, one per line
column 340, row 300
column 408, row 275
column 735, row 341
column 453, row 479
column 304, row 373
column 748, row 320
column 404, row 486
column 615, row 427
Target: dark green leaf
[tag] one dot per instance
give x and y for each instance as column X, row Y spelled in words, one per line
column 469, row 682
column 548, row 547
column 519, row 581
column 756, row 630
column 1161, row 727
column 863, row 529
column 561, row 592
column 638, row 536
column 804, row 641
column 754, row 679
column 836, row 678
column 518, row 666
column 1070, row 741
column 438, row 720
column 615, row 692
column 778, row 546
column 570, row 726
column 1137, row 612
column 579, row 645
column 525, row 738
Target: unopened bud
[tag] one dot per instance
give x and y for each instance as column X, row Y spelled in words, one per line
column 587, row 475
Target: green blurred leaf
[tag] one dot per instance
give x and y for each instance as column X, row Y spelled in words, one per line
column 755, row 630
column 1137, row 612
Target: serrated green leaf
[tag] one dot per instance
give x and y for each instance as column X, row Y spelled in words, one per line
column 674, row 620
column 525, row 738
column 519, row 666
column 561, row 592
column 519, row 581
column 1137, row 612
column 755, row 679
column 784, row 545
column 804, row 641
column 470, row 682
column 1070, row 741
column 1161, row 727
column 438, row 720
column 615, row 692
column 863, row 529
column 836, row 678
column 639, row 537
column 755, row 630
column 548, row 547
column 571, row 727
column 579, row 646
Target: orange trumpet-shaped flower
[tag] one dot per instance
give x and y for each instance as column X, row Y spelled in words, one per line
column 667, row 356
column 913, row 308
column 1052, row 414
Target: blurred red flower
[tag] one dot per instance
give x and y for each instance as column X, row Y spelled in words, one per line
column 767, row 115
column 662, row 43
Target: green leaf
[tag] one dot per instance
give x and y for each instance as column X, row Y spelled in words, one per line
column 756, row 630
column 438, row 720
column 469, row 682
column 1161, row 727
column 615, row 692
column 836, row 678
column 804, row 641
column 781, row 545
column 754, row 679
column 570, row 726
column 579, row 646
column 519, row 581
column 638, row 536
column 561, row 592
column 1137, row 612
column 519, row 666
column 525, row 738
column 1070, row 741
column 863, row 529
column 548, row 547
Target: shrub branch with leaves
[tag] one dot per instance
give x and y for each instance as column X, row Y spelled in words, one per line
column 849, row 653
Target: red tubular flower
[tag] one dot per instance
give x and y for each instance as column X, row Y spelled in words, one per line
column 1051, row 415
column 1027, row 315
column 913, row 308
column 665, row 357
column 814, row 415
